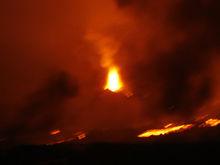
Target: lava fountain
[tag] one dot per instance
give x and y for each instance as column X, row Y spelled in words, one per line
column 114, row 82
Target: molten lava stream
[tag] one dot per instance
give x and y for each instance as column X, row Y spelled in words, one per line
column 211, row 123
column 114, row 82
column 164, row 131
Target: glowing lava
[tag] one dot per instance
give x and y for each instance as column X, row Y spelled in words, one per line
column 167, row 130
column 114, row 82
column 80, row 135
column 212, row 122
column 55, row 132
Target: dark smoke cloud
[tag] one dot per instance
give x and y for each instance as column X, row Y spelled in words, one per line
column 44, row 108
column 122, row 3
column 181, row 72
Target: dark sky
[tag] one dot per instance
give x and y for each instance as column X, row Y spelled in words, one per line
column 53, row 63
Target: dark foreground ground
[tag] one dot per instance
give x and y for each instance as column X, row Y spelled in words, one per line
column 113, row 154
column 194, row 146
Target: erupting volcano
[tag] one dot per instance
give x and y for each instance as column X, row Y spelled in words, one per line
column 118, row 71
column 114, row 82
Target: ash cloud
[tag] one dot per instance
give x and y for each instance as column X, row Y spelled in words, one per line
column 182, row 40
column 44, row 109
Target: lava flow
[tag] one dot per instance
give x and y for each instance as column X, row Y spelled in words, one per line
column 165, row 130
column 55, row 132
column 114, row 82
column 211, row 123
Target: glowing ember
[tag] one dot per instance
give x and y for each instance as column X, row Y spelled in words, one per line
column 55, row 132
column 168, row 125
column 80, row 135
column 158, row 132
column 212, row 122
column 114, row 82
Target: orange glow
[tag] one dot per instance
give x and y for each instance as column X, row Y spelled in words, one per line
column 55, row 132
column 212, row 122
column 114, row 82
column 80, row 135
column 168, row 125
column 158, row 132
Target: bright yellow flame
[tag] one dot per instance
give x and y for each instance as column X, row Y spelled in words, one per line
column 212, row 122
column 158, row 132
column 114, row 82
